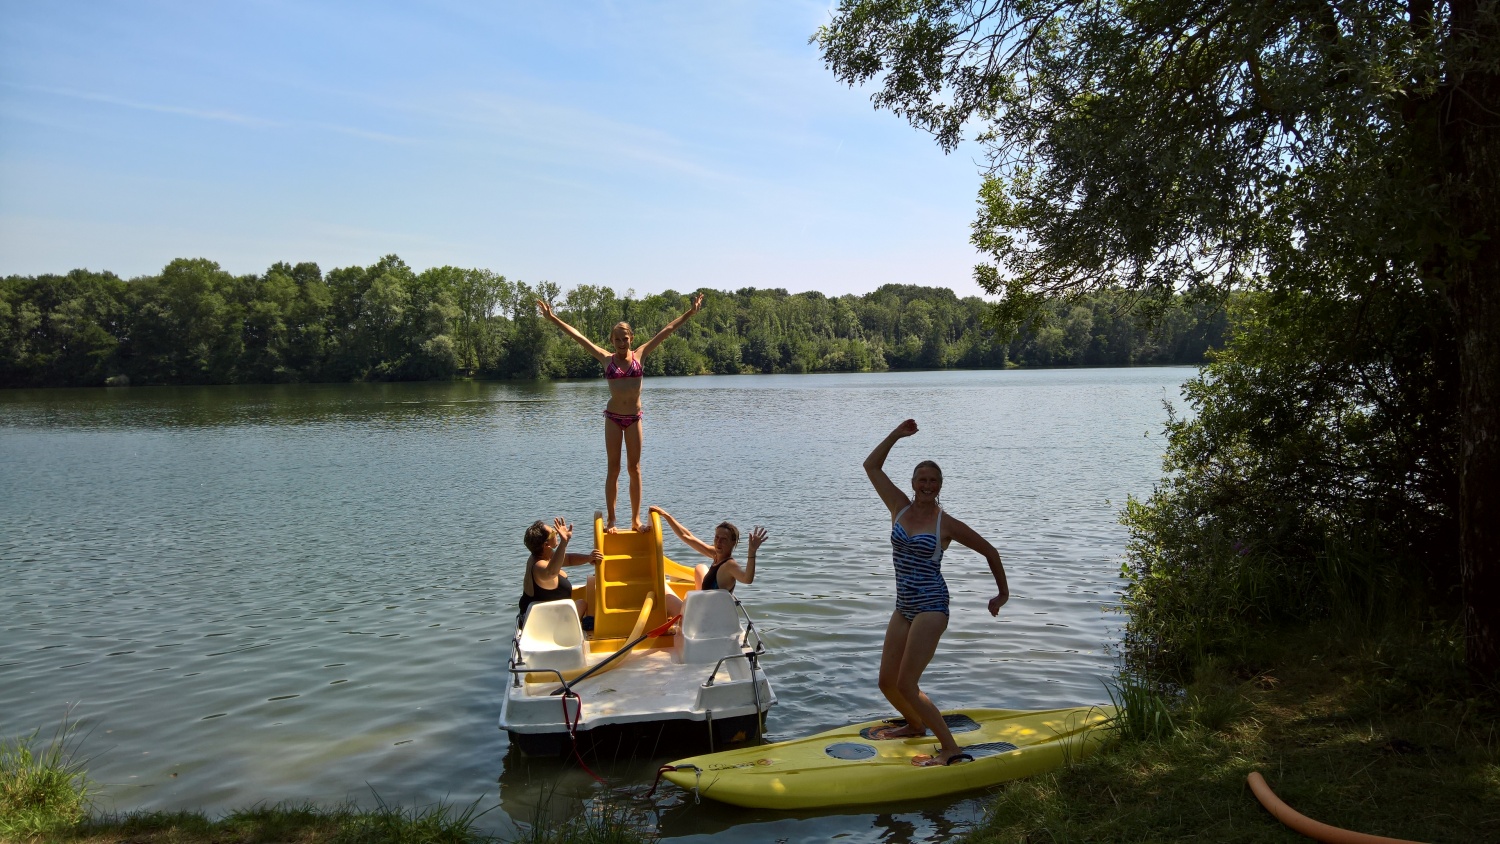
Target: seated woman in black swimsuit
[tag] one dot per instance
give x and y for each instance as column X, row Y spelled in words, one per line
column 544, row 579
column 725, row 571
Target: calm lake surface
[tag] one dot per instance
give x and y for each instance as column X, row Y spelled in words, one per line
column 255, row 594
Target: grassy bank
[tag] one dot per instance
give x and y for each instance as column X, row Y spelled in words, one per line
column 307, row 824
column 1376, row 734
column 45, row 796
column 1372, row 734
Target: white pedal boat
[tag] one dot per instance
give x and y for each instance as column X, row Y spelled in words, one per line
column 698, row 682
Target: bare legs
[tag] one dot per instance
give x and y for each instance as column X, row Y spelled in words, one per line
column 909, row 646
column 633, row 436
column 613, row 436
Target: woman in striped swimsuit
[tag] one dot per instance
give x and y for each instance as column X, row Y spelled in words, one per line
column 622, row 416
column 920, row 532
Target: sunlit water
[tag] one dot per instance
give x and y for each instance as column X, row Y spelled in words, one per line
column 256, row 594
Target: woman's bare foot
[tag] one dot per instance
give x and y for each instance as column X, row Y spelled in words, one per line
column 610, row 528
column 639, row 526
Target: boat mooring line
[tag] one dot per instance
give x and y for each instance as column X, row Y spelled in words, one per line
column 572, row 725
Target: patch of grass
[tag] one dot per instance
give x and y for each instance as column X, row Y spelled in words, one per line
column 601, row 824
column 1345, row 729
column 305, row 823
column 1144, row 709
column 44, row 789
column 287, row 823
column 438, row 824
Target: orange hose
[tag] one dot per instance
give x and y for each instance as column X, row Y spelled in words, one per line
column 1304, row 825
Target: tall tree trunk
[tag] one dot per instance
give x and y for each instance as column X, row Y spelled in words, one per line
column 1471, row 138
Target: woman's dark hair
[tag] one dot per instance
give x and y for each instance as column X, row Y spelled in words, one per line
column 935, row 467
column 536, row 537
column 734, row 532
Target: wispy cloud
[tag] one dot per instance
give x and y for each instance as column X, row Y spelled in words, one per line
column 382, row 137
column 219, row 115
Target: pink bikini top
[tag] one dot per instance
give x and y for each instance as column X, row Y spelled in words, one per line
column 612, row 370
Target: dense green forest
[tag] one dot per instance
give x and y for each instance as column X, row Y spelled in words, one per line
column 197, row 324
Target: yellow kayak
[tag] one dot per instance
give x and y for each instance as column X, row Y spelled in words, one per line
column 845, row 767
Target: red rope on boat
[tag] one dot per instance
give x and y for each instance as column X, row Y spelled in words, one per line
column 573, row 734
column 659, row 771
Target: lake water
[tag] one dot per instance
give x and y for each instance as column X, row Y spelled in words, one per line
column 255, row 594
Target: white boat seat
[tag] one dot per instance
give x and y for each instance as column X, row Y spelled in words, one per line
column 710, row 627
column 553, row 637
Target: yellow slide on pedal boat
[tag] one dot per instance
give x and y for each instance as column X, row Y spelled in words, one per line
column 841, row 767
column 634, row 678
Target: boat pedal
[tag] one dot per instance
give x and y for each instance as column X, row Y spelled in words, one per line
column 991, row 748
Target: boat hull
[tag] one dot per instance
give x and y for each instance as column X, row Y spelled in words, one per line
column 841, row 768
column 647, row 738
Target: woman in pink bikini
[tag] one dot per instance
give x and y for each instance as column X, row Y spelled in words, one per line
column 622, row 416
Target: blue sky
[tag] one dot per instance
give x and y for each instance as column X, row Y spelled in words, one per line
column 640, row 145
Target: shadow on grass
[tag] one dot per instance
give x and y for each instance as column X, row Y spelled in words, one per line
column 1375, row 736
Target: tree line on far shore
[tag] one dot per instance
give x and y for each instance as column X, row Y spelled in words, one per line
column 195, row 323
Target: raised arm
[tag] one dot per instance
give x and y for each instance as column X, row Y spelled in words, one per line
column 670, row 327
column 559, row 556
column 746, row 573
column 969, row 538
column 684, row 534
column 589, row 345
column 891, row 494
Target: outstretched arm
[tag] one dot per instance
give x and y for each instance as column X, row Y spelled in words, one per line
column 670, row 327
column 683, row 533
column 967, row 537
column 746, row 573
column 559, row 556
column 596, row 557
column 891, row 494
column 589, row 345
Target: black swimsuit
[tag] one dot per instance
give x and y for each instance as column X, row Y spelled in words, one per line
column 561, row 592
column 711, row 580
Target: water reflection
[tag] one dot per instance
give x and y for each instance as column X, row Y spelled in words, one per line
column 265, row 404
column 679, row 818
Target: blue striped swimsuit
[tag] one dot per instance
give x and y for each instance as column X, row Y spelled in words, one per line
column 919, row 578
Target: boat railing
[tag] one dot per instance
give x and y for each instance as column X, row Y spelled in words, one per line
column 747, row 655
column 517, row 672
column 517, row 660
column 752, row 657
column 749, row 628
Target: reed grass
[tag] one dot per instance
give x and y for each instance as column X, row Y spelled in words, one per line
column 42, row 789
column 602, row 823
column 1143, row 710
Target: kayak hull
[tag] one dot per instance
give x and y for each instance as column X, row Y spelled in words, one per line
column 839, row 767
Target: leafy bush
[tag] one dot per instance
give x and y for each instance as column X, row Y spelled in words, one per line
column 1316, row 479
